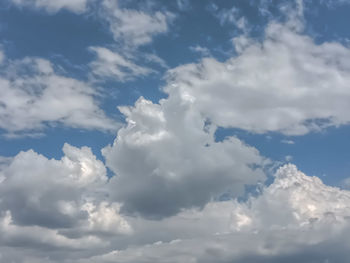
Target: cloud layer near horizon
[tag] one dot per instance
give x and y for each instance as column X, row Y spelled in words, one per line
column 297, row 217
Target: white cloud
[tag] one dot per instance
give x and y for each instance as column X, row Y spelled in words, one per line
column 295, row 200
column 113, row 65
column 201, row 50
column 132, row 27
column 53, row 6
column 286, row 84
column 62, row 201
column 296, row 218
column 34, row 97
column 166, row 159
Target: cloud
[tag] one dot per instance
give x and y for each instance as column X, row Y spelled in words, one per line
column 232, row 16
column 287, row 141
column 129, row 27
column 205, row 52
column 35, row 97
column 295, row 200
column 53, row 6
column 66, row 204
column 166, row 159
column 61, row 201
column 296, row 218
column 286, row 83
column 113, row 65
column 133, row 27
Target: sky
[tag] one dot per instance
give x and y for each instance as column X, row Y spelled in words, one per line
column 174, row 131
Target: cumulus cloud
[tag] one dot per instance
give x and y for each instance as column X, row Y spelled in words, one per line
column 286, row 83
column 53, row 6
column 296, row 218
column 166, row 159
column 34, row 96
column 62, row 201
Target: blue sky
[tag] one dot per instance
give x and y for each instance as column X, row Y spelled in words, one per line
column 160, row 108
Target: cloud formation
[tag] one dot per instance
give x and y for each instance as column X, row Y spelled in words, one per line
column 179, row 163
column 34, row 97
column 109, row 64
column 296, row 218
column 286, row 83
column 62, row 201
column 133, row 27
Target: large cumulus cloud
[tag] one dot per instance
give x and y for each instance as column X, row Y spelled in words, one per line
column 286, row 83
column 296, row 218
column 166, row 159
column 62, row 201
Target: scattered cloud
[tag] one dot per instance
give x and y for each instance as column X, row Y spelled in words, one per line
column 183, row 5
column 34, row 97
column 53, row 6
column 132, row 27
column 109, row 64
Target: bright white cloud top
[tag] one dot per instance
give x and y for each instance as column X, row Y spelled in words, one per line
column 179, row 180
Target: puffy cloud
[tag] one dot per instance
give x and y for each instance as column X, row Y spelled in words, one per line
column 53, row 6
column 296, row 218
column 295, row 200
column 62, row 200
column 34, row 96
column 286, row 83
column 167, row 159
column 113, row 65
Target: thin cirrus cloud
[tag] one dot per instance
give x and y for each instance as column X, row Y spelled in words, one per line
column 35, row 97
column 53, row 6
column 109, row 64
